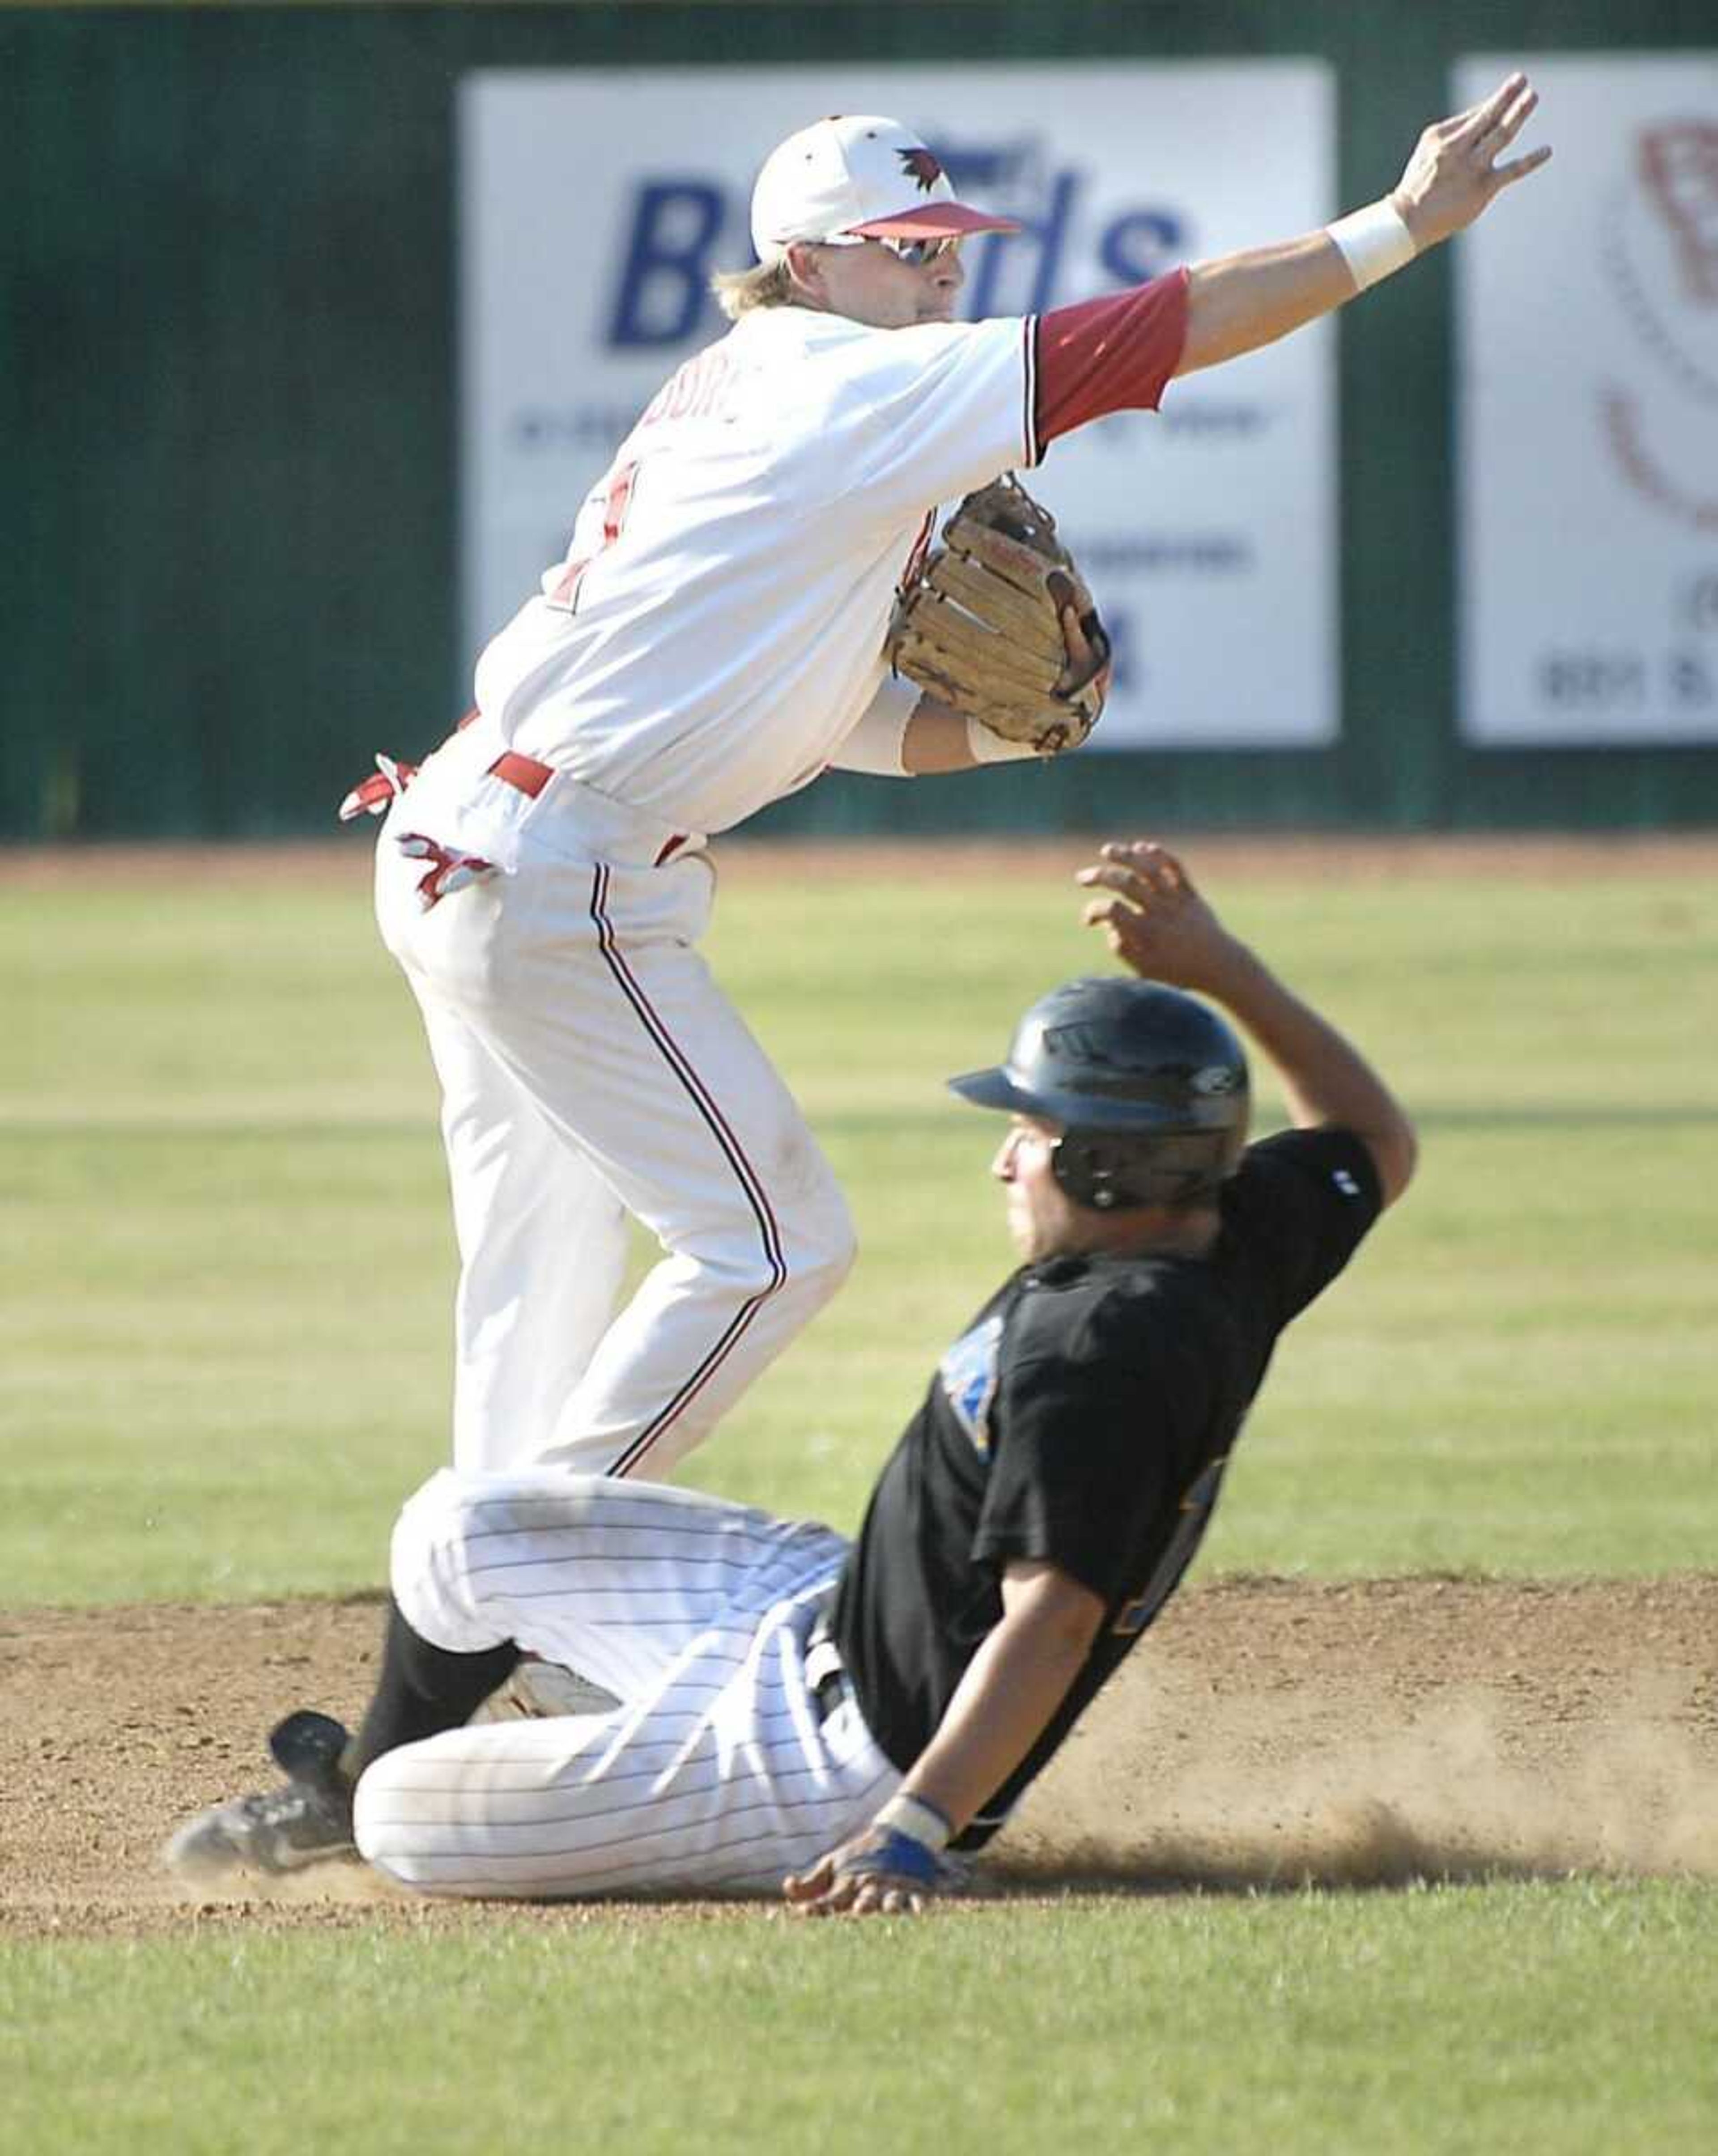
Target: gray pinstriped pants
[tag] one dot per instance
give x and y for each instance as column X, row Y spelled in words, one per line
column 715, row 1773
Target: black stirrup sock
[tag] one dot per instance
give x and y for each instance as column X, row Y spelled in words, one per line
column 421, row 1691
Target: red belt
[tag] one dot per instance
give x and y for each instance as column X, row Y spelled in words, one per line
column 522, row 772
column 527, row 775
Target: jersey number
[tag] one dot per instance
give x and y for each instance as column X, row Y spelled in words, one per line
column 564, row 598
column 1133, row 1617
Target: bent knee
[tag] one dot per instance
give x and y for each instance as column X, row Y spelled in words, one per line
column 387, row 1839
column 421, row 1818
column 816, row 1225
column 811, row 1265
column 428, row 1570
column 803, row 1255
column 826, row 1253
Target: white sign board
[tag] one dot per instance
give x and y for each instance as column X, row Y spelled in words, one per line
column 1588, row 304
column 594, row 206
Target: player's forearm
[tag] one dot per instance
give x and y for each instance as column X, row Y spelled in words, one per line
column 932, row 738
column 1325, row 1078
column 935, row 740
column 940, row 739
column 1004, row 1703
column 1239, row 302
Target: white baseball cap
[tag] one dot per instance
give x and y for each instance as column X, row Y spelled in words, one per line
column 858, row 177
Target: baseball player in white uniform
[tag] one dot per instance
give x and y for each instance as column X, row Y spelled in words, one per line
column 712, row 640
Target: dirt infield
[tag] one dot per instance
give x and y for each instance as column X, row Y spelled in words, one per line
column 1269, row 1732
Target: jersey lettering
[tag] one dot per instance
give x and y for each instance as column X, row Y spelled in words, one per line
column 696, row 390
column 1133, row 1617
column 565, row 597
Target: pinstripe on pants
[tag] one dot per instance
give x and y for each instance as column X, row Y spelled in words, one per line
column 715, row 1773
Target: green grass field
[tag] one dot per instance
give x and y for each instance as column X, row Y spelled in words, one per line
column 227, row 1274
column 224, row 1360
column 1445, row 2022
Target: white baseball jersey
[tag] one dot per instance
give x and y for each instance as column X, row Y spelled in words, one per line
column 712, row 640
column 717, row 627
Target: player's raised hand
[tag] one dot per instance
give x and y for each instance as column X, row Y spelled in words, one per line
column 1455, row 170
column 1153, row 917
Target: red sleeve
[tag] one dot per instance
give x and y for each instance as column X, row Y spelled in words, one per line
column 1114, row 354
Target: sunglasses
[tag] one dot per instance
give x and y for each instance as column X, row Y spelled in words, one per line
column 914, row 253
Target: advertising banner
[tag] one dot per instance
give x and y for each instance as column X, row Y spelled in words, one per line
column 1588, row 399
column 595, row 205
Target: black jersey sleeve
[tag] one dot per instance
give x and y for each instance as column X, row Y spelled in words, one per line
column 1094, row 1442
column 1297, row 1210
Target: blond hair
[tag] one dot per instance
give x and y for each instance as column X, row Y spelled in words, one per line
column 764, row 284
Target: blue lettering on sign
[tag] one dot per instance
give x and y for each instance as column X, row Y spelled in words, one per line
column 1040, row 243
column 674, row 241
column 989, row 169
column 666, row 273
column 1024, row 273
column 1141, row 244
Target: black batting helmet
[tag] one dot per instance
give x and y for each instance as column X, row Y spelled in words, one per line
column 1147, row 1085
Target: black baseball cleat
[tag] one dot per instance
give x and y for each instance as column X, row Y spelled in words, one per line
column 308, row 1821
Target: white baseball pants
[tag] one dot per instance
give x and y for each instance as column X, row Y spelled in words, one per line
column 716, row 1773
column 591, row 1067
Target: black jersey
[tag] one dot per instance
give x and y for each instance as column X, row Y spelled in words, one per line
column 1084, row 1419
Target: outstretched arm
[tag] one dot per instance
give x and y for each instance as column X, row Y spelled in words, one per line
column 1155, row 921
column 1241, row 301
column 1116, row 353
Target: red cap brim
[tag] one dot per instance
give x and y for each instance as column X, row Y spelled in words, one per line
column 938, row 220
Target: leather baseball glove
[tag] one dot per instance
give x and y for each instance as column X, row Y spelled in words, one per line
column 980, row 627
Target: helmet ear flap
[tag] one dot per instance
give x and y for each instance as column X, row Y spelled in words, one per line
column 1109, row 1172
column 1086, row 1169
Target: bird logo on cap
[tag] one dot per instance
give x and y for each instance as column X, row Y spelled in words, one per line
column 922, row 166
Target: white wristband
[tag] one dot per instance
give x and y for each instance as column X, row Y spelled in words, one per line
column 985, row 747
column 919, row 1819
column 1374, row 242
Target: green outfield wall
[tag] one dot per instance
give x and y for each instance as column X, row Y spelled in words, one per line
column 227, row 412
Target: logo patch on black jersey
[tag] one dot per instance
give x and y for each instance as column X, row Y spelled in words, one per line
column 969, row 1375
column 1344, row 1182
